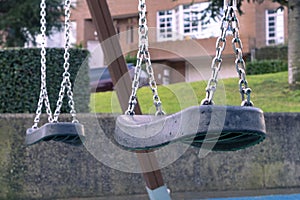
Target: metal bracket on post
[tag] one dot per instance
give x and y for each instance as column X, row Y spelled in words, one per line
column 161, row 193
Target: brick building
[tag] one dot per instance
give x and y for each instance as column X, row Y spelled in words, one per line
column 181, row 45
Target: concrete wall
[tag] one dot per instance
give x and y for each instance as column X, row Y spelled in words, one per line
column 54, row 170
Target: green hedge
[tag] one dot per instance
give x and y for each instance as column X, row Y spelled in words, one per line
column 279, row 52
column 266, row 66
column 20, row 79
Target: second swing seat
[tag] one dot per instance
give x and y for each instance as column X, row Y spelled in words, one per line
column 67, row 132
column 219, row 128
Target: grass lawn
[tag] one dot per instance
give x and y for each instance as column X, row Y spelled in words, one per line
column 270, row 92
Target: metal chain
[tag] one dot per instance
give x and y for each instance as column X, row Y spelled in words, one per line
column 216, row 62
column 229, row 21
column 43, row 98
column 239, row 61
column 66, row 83
column 143, row 55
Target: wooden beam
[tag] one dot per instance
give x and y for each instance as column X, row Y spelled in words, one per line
column 102, row 19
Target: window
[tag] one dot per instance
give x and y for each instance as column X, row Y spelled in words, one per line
column 166, row 77
column 73, row 35
column 186, row 21
column 129, row 34
column 57, row 38
column 274, row 27
column 191, row 17
column 74, row 3
column 165, row 24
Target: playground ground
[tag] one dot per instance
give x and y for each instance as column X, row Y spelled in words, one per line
column 267, row 194
column 265, row 197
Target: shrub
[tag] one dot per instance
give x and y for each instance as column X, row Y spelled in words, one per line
column 279, row 52
column 131, row 59
column 266, row 66
column 20, row 79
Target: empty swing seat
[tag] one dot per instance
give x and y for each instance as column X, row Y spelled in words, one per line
column 219, row 128
column 67, row 132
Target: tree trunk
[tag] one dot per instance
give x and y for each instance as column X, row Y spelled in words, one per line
column 294, row 43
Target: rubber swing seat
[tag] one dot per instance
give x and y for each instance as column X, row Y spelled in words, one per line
column 66, row 132
column 218, row 128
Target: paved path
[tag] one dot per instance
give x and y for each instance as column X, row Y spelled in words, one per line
column 265, row 194
column 269, row 197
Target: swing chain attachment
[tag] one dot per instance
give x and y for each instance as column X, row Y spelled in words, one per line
column 240, row 65
column 43, row 98
column 232, row 3
column 66, row 83
column 143, row 55
column 229, row 22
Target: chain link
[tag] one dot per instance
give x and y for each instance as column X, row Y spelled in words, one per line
column 216, row 62
column 229, row 21
column 143, row 55
column 43, row 97
column 240, row 65
column 66, row 83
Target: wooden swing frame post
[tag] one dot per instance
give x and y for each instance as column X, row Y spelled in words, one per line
column 118, row 70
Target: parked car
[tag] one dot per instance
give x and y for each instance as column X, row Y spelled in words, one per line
column 100, row 80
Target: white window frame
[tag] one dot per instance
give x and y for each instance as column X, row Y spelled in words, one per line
column 274, row 27
column 191, row 16
column 166, row 25
column 211, row 29
column 166, row 77
column 201, row 30
column 57, row 39
column 130, row 34
column 179, row 29
column 74, row 3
